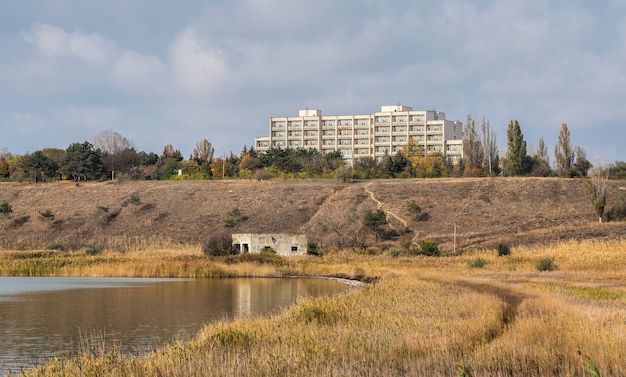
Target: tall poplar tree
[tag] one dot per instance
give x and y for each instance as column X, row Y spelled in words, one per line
column 472, row 145
column 516, row 152
column 490, row 148
column 564, row 153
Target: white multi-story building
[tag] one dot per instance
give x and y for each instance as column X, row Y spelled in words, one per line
column 368, row 135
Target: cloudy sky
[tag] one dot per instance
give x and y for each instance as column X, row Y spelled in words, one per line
column 175, row 72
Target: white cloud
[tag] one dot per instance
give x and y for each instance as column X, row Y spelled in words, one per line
column 52, row 41
column 197, row 68
column 139, row 74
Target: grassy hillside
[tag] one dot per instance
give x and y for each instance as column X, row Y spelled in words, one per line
column 130, row 215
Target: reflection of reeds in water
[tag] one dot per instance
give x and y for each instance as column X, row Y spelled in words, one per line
column 95, row 343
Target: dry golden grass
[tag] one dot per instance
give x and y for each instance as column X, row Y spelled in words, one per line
column 423, row 316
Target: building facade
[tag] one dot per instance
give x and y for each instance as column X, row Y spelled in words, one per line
column 283, row 244
column 367, row 135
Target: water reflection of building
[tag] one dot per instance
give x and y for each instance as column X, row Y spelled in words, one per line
column 258, row 295
column 243, row 299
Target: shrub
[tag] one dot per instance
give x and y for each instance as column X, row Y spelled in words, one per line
column 262, row 175
column 219, row 245
column 415, row 211
column 135, row 199
column 546, row 264
column 311, row 249
column 503, row 250
column 393, row 252
column 5, row 208
column 55, row 246
column 47, row 214
column 93, row 250
column 230, row 223
column 617, row 213
column 272, row 259
column 268, row 250
column 477, row 263
column 430, row 248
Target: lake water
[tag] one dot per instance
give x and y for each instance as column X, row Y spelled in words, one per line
column 47, row 316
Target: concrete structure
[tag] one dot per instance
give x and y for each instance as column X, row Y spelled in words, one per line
column 283, row 244
column 368, row 135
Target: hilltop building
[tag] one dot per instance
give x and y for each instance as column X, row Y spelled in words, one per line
column 367, row 135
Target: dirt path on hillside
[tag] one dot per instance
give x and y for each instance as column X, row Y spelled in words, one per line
column 380, row 204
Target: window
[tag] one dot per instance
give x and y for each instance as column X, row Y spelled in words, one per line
column 328, row 123
column 382, row 129
column 345, row 122
column 278, row 124
column 417, row 128
column 399, row 139
column 382, row 119
column 294, row 249
column 417, row 118
column 399, row 118
column 399, row 129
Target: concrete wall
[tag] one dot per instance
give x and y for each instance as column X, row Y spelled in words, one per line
column 283, row 244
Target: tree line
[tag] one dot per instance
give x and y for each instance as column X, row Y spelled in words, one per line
column 110, row 155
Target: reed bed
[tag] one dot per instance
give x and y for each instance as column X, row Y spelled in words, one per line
column 420, row 316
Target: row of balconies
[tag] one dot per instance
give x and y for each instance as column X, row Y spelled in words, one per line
column 343, row 123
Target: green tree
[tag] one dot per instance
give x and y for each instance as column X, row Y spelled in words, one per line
column 203, row 154
column 516, row 156
column 168, row 162
column 82, row 161
column 581, row 165
column 37, row 166
column 396, row 164
column 564, row 153
column 616, row 171
column 367, row 168
column 375, row 221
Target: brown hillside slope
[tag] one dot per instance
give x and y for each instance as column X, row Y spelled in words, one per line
column 486, row 211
